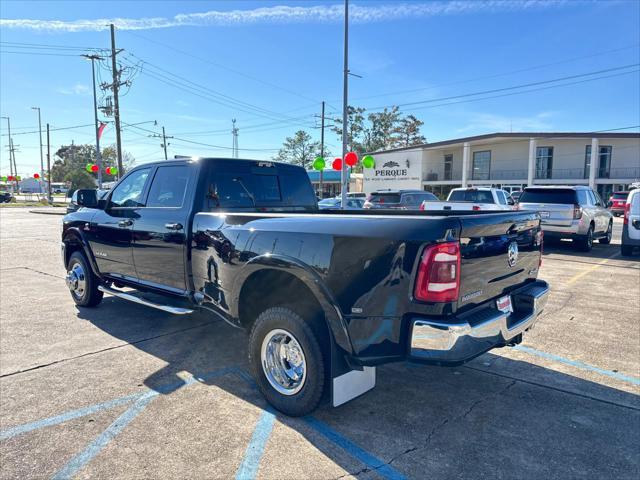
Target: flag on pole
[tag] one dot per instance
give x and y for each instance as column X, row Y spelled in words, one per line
column 101, row 129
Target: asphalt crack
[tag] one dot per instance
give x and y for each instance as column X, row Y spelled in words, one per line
column 432, row 433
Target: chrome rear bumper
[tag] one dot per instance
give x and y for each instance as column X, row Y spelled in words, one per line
column 470, row 335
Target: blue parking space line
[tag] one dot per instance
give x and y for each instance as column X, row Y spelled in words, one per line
column 578, row 364
column 95, row 447
column 81, row 412
column 248, row 469
column 382, row 468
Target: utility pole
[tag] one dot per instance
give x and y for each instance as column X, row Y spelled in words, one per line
column 164, row 143
column 12, row 156
column 345, row 116
column 322, row 148
column 234, row 132
column 49, row 166
column 116, row 102
column 41, row 160
column 93, row 58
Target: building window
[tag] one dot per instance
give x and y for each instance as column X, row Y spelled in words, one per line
column 448, row 167
column 481, row 165
column 544, row 162
column 604, row 161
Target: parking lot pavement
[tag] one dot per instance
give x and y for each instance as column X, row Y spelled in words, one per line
column 123, row 391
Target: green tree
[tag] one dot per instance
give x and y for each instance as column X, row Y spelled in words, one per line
column 298, row 150
column 384, row 130
column 73, row 158
column 409, row 132
column 80, row 179
column 356, row 128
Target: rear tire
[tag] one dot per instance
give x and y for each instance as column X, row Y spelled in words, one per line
column 626, row 250
column 82, row 282
column 586, row 243
column 286, row 356
column 607, row 239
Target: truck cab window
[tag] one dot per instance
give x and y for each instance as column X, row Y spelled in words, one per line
column 129, row 192
column 168, row 187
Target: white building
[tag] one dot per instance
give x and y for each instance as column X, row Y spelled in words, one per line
column 511, row 161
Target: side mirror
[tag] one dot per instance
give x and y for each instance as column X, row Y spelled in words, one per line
column 87, row 198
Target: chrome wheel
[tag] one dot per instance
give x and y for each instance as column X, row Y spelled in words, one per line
column 76, row 280
column 283, row 362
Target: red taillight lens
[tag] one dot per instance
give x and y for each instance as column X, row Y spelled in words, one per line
column 627, row 212
column 422, row 206
column 577, row 212
column 439, row 273
column 475, row 208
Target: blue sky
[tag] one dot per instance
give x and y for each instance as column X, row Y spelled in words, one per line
column 281, row 59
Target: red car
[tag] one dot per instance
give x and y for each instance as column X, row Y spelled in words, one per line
column 617, row 202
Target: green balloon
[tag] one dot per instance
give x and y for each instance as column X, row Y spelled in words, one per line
column 319, row 163
column 88, row 167
column 114, row 170
column 4, row 179
column 368, row 161
column 18, row 178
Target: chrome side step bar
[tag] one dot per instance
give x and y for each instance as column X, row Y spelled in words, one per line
column 142, row 301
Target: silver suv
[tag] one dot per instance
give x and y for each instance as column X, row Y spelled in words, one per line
column 574, row 212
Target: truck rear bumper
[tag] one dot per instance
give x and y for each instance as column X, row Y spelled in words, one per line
column 468, row 336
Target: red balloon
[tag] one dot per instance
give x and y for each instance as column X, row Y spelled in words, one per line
column 95, row 168
column 36, row 175
column 107, row 170
column 10, row 178
column 337, row 164
column 351, row 158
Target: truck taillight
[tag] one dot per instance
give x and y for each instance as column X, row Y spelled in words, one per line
column 422, row 206
column 438, row 278
column 627, row 212
column 577, row 212
column 475, row 208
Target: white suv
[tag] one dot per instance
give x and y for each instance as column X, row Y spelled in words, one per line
column 631, row 227
column 574, row 212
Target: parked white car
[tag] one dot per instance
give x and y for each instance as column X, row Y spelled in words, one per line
column 631, row 226
column 480, row 198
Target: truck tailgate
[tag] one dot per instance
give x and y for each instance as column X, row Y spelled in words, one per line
column 499, row 252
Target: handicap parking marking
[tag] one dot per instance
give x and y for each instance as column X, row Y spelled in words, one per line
column 578, row 364
column 253, row 455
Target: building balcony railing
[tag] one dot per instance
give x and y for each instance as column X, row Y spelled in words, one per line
column 508, row 174
column 559, row 174
column 629, row 172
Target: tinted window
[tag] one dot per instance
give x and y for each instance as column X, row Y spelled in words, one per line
column 502, row 200
column 429, row 197
column 168, row 187
column 620, row 195
column 481, row 165
column 329, row 202
column 476, row 196
column 583, row 199
column 409, row 199
column 129, row 192
column 548, row 195
column 385, row 198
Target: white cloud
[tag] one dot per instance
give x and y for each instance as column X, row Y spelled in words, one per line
column 489, row 122
column 77, row 89
column 364, row 13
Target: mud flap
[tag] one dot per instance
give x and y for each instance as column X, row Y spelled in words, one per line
column 348, row 382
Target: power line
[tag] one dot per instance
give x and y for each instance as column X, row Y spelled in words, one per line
column 486, row 77
column 42, row 53
column 52, row 129
column 513, row 87
column 224, row 67
column 48, row 46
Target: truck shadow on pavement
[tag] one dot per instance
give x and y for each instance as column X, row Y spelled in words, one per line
column 597, row 253
column 494, row 417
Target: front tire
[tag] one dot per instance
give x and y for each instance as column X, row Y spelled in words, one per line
column 286, row 356
column 82, row 282
column 607, row 239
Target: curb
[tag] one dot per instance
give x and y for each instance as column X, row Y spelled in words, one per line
column 49, row 212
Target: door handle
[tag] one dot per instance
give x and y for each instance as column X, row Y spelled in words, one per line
column 173, row 226
column 125, row 223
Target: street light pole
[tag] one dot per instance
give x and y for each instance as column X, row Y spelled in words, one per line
column 93, row 58
column 41, row 158
column 345, row 107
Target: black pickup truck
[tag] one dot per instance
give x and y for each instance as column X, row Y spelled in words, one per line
column 325, row 295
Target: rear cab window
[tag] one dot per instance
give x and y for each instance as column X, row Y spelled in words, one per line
column 264, row 185
column 549, row 195
column 620, row 195
column 476, row 196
